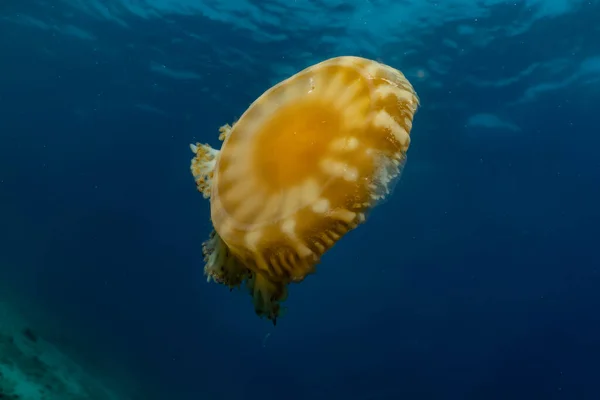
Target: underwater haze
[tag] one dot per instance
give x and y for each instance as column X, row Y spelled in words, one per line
column 478, row 279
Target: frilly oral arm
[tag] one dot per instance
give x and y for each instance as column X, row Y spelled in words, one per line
column 221, row 265
column 224, row 131
column 202, row 167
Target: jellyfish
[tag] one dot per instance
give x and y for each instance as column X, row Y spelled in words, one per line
column 303, row 166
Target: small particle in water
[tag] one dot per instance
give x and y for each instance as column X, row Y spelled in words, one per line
column 264, row 342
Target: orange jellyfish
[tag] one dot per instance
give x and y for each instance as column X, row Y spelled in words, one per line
column 301, row 167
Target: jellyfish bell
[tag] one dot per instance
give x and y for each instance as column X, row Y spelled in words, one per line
column 302, row 167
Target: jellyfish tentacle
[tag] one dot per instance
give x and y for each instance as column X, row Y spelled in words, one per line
column 267, row 296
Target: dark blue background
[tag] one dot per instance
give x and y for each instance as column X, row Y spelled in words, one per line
column 478, row 279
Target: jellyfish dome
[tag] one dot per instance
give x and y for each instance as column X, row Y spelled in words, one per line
column 301, row 167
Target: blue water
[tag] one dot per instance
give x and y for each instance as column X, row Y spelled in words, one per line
column 478, row 279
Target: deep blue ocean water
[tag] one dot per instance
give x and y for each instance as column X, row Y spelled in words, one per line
column 477, row 280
